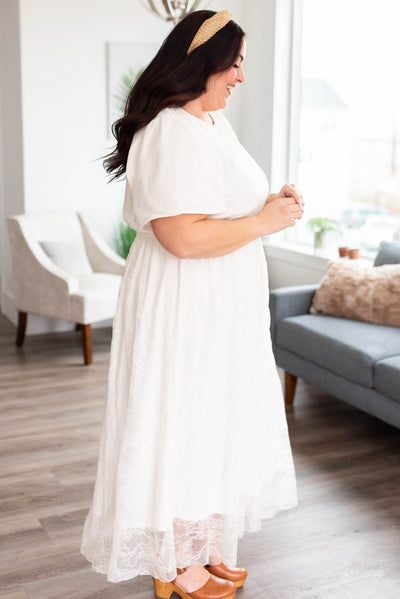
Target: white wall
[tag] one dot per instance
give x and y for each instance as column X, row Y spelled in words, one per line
column 11, row 143
column 63, row 49
column 256, row 123
column 55, row 128
column 64, row 99
column 287, row 267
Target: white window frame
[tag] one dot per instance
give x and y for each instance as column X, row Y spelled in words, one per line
column 286, row 92
column 294, row 92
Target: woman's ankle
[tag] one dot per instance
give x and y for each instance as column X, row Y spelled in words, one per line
column 214, row 560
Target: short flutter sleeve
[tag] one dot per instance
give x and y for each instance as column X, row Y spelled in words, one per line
column 172, row 169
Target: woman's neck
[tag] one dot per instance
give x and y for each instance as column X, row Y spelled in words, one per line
column 197, row 109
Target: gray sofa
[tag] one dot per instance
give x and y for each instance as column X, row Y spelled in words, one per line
column 357, row 362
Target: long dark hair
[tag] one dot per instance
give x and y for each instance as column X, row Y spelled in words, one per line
column 173, row 78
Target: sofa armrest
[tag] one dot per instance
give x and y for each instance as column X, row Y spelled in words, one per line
column 289, row 301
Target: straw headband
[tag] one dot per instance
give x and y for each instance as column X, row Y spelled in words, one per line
column 209, row 27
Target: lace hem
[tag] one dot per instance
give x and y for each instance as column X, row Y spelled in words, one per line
column 125, row 554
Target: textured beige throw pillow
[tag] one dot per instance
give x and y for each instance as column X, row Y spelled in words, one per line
column 360, row 293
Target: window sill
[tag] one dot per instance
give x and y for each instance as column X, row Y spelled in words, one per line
column 303, row 255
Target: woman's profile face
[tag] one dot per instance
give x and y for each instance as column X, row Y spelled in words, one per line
column 221, row 85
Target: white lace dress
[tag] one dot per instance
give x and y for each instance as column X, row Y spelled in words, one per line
column 194, row 448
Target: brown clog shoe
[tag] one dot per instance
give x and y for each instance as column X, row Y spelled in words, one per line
column 214, row 588
column 235, row 574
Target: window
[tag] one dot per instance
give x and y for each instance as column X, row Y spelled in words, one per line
column 348, row 129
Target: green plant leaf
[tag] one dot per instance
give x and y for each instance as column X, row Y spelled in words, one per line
column 125, row 85
column 321, row 225
column 124, row 239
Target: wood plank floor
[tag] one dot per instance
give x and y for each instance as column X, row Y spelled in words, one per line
column 341, row 542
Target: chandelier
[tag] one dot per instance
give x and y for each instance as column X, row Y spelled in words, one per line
column 174, row 10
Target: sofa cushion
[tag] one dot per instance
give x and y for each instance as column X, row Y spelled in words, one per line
column 387, row 377
column 349, row 348
column 360, row 293
column 389, row 253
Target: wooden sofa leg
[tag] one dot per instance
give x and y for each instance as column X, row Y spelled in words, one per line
column 22, row 318
column 87, row 343
column 290, row 387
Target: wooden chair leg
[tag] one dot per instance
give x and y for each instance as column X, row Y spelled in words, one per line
column 290, row 387
column 22, row 318
column 87, row 343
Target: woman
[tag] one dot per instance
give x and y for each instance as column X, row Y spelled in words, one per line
column 194, row 449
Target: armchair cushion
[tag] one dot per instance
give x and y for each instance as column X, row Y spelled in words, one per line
column 97, row 282
column 348, row 348
column 69, row 255
column 96, row 298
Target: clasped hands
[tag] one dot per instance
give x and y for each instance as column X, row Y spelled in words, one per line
column 288, row 191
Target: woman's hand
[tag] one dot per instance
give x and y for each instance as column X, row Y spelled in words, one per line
column 290, row 191
column 287, row 191
column 271, row 197
column 280, row 213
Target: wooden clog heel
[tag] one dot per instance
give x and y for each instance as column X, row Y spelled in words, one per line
column 163, row 590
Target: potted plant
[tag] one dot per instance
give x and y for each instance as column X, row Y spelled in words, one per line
column 322, row 226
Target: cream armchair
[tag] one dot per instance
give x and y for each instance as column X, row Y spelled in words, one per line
column 62, row 269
